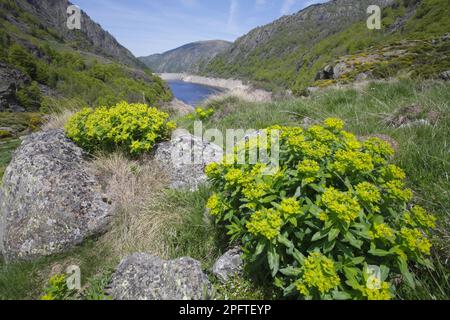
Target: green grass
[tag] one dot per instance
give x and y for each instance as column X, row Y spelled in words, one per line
column 26, row 280
column 19, row 123
column 422, row 151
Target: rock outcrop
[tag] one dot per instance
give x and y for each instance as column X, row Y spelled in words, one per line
column 186, row 157
column 146, row 277
column 49, row 200
column 228, row 265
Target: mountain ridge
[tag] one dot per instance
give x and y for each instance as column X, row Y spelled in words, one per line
column 289, row 52
column 186, row 58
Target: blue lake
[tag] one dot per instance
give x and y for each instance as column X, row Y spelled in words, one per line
column 191, row 93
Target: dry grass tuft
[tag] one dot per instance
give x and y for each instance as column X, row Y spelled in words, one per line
column 144, row 218
column 57, row 120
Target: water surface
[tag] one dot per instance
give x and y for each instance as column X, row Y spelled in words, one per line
column 191, row 93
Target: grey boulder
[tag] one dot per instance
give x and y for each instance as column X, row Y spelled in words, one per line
column 228, row 265
column 142, row 276
column 49, row 200
column 185, row 157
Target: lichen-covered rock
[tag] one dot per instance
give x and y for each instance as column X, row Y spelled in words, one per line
column 228, row 265
column 186, row 157
column 145, row 277
column 49, row 200
column 445, row 75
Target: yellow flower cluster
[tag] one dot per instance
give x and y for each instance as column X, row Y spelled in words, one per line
column 266, row 222
column 290, row 206
column 234, row 176
column 419, row 217
column 383, row 232
column 215, row 205
column 134, row 127
column 213, row 170
column 415, row 241
column 392, row 172
column 396, row 191
column 309, row 170
column 351, row 141
column 314, row 149
column 255, row 191
column 318, row 273
column 367, row 192
column 340, row 205
column 383, row 293
column 346, row 161
column 334, row 124
column 203, row 114
column 380, row 150
column 321, row 134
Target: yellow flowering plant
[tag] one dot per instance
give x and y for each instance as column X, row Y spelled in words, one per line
column 202, row 114
column 335, row 206
column 57, row 289
column 135, row 128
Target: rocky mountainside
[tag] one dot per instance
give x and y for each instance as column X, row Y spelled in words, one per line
column 289, row 52
column 43, row 63
column 187, row 58
column 91, row 37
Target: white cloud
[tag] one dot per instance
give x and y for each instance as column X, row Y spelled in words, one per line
column 232, row 24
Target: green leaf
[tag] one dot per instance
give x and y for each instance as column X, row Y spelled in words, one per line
column 274, row 260
column 403, row 267
column 319, row 235
column 353, row 241
column 340, row 295
column 298, row 256
column 378, row 252
column 334, row 233
column 285, row 241
column 259, row 248
column 291, row 271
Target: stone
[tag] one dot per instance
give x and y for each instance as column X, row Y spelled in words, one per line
column 49, row 201
column 228, row 265
column 141, row 276
column 185, row 158
column 445, row 75
column 340, row 69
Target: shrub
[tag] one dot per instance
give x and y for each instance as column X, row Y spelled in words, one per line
column 132, row 127
column 335, row 208
column 202, row 114
column 30, row 97
column 20, row 57
column 57, row 289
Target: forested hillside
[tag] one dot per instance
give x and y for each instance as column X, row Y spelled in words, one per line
column 290, row 52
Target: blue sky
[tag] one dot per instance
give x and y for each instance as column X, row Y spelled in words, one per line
column 155, row 26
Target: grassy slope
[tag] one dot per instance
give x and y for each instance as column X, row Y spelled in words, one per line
column 272, row 66
column 422, row 152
